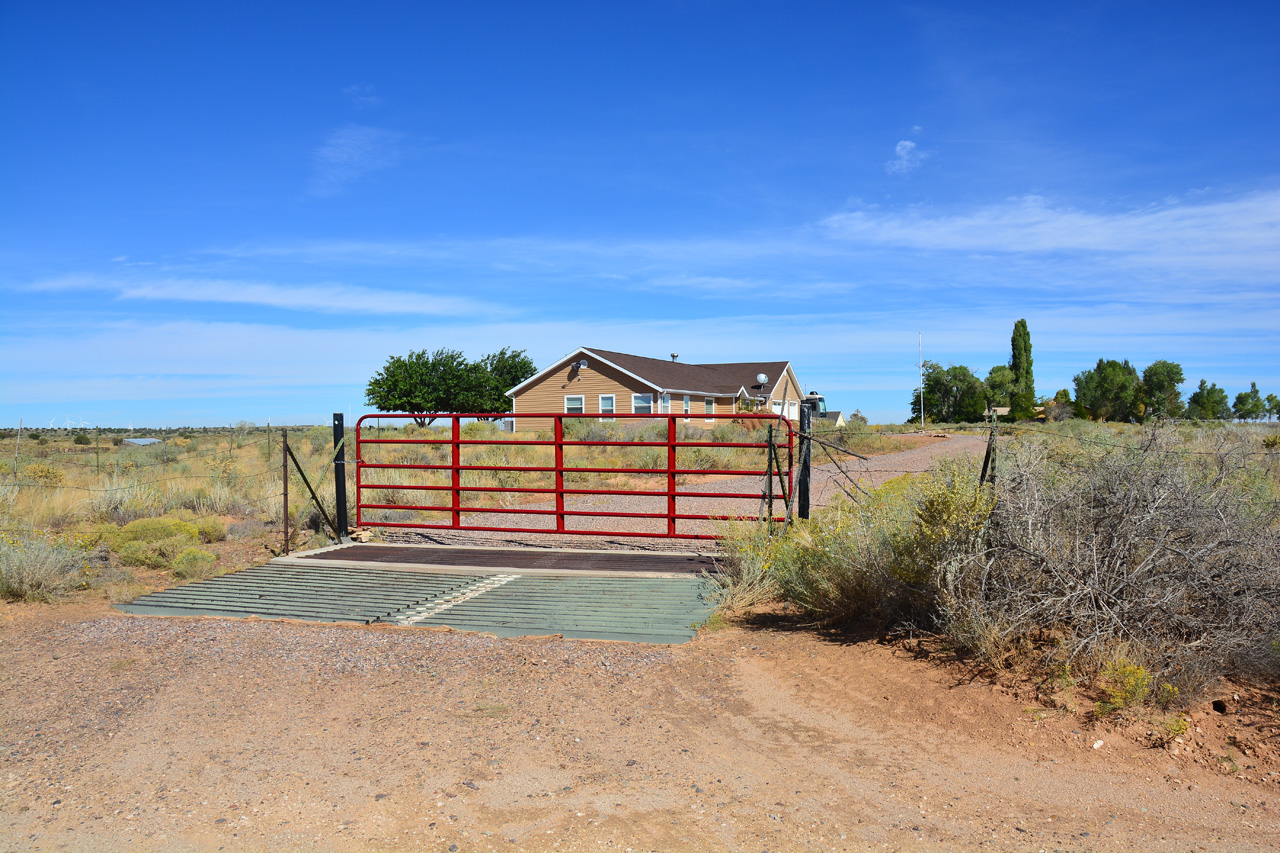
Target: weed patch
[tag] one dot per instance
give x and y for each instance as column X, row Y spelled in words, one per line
column 194, row 564
column 35, row 569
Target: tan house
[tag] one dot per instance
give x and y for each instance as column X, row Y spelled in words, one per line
column 596, row 381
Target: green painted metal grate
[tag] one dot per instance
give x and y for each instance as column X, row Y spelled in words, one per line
column 649, row 610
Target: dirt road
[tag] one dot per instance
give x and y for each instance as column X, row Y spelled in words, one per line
column 128, row 733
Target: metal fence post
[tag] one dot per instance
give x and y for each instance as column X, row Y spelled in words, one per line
column 806, row 445
column 340, row 475
column 284, row 474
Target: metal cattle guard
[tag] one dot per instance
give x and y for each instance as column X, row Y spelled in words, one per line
column 558, row 442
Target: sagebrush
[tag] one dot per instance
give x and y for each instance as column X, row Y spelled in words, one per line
column 1161, row 543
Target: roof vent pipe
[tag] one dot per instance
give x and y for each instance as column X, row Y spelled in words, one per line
column 674, row 356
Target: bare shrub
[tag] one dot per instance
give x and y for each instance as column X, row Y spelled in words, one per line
column 1139, row 542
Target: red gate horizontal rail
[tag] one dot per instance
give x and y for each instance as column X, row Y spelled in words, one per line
column 783, row 440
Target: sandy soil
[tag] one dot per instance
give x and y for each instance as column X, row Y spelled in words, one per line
column 134, row 733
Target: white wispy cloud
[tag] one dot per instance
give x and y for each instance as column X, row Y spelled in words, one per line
column 907, row 158
column 1194, row 244
column 1231, row 235
column 351, row 152
column 324, row 298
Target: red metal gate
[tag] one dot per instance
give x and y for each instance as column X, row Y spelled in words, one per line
column 778, row 443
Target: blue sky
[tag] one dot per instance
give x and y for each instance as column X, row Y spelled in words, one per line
column 229, row 211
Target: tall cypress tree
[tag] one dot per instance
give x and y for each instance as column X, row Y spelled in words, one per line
column 1023, row 380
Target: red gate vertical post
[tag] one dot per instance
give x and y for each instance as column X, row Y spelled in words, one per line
column 457, row 471
column 671, row 476
column 558, row 434
column 359, row 465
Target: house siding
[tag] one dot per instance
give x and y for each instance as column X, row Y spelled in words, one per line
column 548, row 394
column 786, row 389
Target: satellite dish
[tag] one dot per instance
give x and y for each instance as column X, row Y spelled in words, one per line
column 762, row 378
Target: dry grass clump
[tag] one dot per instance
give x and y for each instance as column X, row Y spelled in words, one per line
column 1147, row 558
column 33, row 568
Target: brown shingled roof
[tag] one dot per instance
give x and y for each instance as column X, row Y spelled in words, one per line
column 717, row 379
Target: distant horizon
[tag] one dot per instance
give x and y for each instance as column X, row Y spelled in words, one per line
column 241, row 214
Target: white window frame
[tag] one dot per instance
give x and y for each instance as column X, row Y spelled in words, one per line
column 709, row 408
column 688, row 406
column 647, row 401
column 664, row 407
column 582, row 404
column 613, row 407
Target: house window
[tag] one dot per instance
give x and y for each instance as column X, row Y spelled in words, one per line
column 709, row 406
column 642, row 404
column 607, row 406
column 666, row 404
column 574, row 404
column 687, row 406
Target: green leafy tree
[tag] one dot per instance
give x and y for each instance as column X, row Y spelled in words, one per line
column 951, row 395
column 1273, row 407
column 1022, row 406
column 507, row 368
column 1160, row 393
column 1112, row 390
column 1020, row 362
column 1208, row 403
column 443, row 381
column 1249, row 405
column 999, row 384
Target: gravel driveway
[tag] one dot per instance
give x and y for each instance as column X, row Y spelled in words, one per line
column 180, row 735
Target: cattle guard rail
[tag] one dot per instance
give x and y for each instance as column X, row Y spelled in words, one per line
column 457, row 509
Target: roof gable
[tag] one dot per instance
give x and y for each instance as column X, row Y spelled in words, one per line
column 721, row 380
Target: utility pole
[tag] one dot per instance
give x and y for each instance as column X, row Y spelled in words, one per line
column 16, row 445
